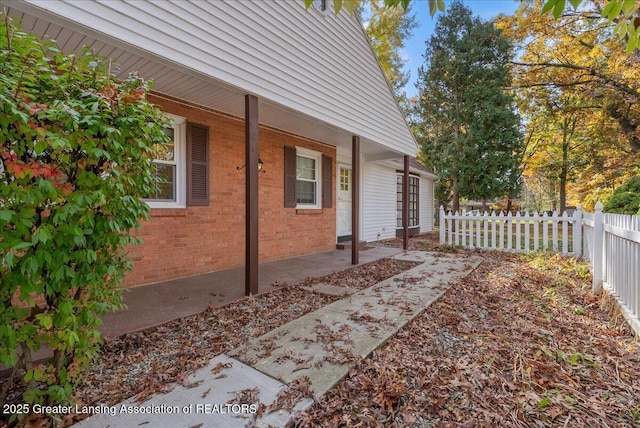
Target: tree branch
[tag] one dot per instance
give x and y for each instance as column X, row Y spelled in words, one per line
column 616, row 84
column 577, row 83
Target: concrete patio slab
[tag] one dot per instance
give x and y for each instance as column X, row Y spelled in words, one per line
column 188, row 296
column 323, row 346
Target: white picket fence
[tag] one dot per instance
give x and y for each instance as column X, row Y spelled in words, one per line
column 610, row 242
column 518, row 233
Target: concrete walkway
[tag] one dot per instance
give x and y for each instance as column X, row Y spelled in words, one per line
column 319, row 348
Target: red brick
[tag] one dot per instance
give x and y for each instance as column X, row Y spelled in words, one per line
column 197, row 240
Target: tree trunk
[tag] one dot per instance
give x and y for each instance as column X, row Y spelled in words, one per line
column 564, row 172
column 28, row 363
column 509, row 204
column 563, row 193
column 455, row 201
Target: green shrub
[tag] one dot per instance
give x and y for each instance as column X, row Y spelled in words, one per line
column 74, row 161
column 626, row 198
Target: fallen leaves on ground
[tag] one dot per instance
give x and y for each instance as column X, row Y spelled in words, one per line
column 426, row 242
column 184, row 345
column 361, row 279
column 291, row 394
column 152, row 361
column 246, row 396
column 520, row 342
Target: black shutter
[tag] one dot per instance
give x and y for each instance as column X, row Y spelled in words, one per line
column 290, row 199
column 327, row 181
column 197, row 165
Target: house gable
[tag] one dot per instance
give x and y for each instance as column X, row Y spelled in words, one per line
column 318, row 65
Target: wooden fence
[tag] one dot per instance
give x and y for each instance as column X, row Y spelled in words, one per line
column 610, row 242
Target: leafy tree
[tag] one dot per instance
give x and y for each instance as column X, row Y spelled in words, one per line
column 75, row 158
column 626, row 198
column 388, row 29
column 624, row 14
column 608, row 162
column 578, row 93
column 577, row 53
column 561, row 133
column 469, row 132
column 539, row 193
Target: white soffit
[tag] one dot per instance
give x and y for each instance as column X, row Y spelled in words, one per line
column 314, row 73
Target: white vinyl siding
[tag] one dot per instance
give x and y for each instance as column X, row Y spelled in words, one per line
column 378, row 202
column 267, row 48
column 379, row 206
column 426, row 204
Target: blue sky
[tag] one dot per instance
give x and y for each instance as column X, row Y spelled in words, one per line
column 415, row 46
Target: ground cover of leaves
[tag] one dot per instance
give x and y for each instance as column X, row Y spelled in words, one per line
column 520, row 342
column 151, row 361
column 425, row 242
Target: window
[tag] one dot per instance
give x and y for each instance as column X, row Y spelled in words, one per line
column 345, row 179
column 170, row 169
column 308, row 178
column 321, row 5
column 414, row 186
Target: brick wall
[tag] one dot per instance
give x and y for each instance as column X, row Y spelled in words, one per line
column 185, row 242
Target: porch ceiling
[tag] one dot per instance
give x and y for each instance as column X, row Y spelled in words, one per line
column 183, row 83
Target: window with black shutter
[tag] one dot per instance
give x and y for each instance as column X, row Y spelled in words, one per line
column 308, row 179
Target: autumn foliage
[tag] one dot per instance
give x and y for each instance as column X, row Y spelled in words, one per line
column 74, row 161
column 578, row 92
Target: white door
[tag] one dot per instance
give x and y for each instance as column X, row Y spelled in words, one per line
column 344, row 200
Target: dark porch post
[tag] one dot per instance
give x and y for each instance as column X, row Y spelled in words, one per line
column 355, row 200
column 251, row 182
column 405, row 204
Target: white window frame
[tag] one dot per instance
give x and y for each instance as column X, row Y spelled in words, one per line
column 180, row 161
column 317, row 156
